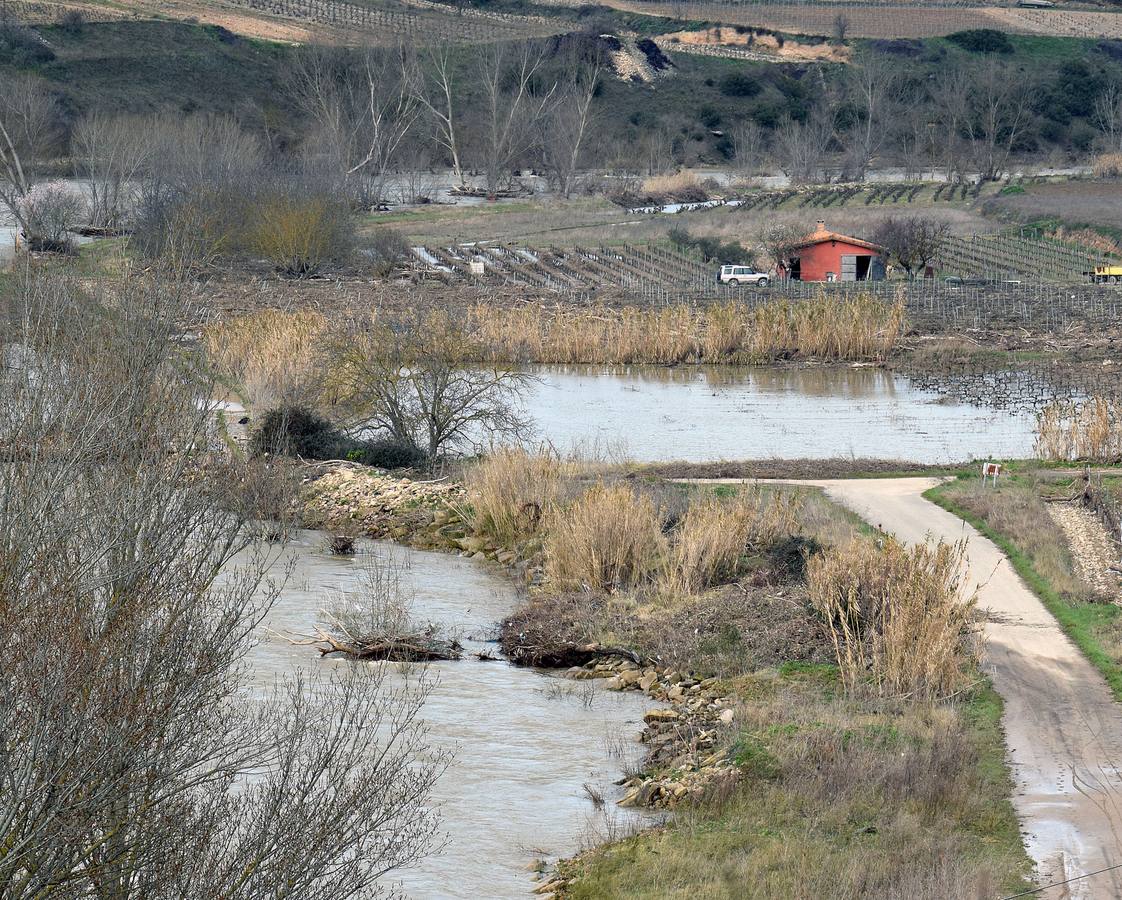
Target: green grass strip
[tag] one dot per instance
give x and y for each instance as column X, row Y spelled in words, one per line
column 1076, row 620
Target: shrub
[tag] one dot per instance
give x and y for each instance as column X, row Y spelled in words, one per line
column 295, row 431
column 384, row 453
column 384, row 248
column 299, row 234
column 609, row 539
column 899, row 618
column 982, row 40
column 739, row 84
column 20, row 47
column 50, row 209
column 713, row 249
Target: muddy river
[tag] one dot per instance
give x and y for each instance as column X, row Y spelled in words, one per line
column 525, row 743
column 701, row 414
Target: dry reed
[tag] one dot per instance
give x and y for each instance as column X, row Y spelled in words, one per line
column 853, row 328
column 899, row 618
column 1088, row 429
column 271, row 354
column 672, row 184
column 609, row 539
column 1107, row 165
column 715, row 534
column 511, row 489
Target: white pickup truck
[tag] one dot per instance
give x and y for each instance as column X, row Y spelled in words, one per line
column 736, row 275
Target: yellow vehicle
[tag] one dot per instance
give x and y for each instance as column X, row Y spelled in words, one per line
column 1106, row 275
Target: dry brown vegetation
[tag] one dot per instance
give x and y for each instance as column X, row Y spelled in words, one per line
column 857, row 328
column 899, row 618
column 279, row 356
column 1107, row 165
column 1088, row 429
column 271, row 354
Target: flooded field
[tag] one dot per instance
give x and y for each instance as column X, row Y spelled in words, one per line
column 696, row 415
column 525, row 743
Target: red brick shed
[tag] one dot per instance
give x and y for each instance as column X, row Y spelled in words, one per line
column 829, row 256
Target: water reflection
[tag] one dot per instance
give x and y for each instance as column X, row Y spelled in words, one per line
column 711, row 413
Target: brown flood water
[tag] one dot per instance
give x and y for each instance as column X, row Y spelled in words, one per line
column 523, row 748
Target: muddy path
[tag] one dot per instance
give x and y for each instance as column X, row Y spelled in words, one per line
column 1063, row 728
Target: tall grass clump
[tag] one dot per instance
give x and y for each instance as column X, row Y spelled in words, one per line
column 899, row 618
column 859, row 327
column 715, row 534
column 512, row 489
column 1088, row 429
column 854, row 328
column 271, row 354
column 1107, row 165
column 609, row 539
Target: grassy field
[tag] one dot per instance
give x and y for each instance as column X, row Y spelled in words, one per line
column 911, row 802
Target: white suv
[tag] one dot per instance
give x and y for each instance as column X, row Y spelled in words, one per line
column 735, row 275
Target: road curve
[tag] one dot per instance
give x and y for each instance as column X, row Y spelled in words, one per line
column 1063, row 729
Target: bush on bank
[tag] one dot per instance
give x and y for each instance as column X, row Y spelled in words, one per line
column 297, row 431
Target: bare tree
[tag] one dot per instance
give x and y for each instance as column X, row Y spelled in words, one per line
column 29, row 134
column 951, row 99
column 802, row 146
column 514, row 103
column 841, row 27
column 135, row 761
column 421, row 382
column 567, row 122
column 779, row 242
column 1108, row 115
column 872, row 85
column 433, row 82
column 112, row 151
column 748, row 142
column 1000, row 105
column 913, row 241
column 363, row 108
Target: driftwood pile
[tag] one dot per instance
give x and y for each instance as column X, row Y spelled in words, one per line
column 425, row 645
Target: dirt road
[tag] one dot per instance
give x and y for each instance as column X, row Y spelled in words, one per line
column 1063, row 728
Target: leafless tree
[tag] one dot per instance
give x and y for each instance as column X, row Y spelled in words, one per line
column 363, row 106
column 29, row 134
column 513, row 105
column 420, row 381
column 567, row 122
column 112, row 151
column 432, row 79
column 779, row 242
column 951, row 99
column 872, row 85
column 135, row 760
column 841, row 27
column 912, row 241
column 1108, row 115
column 1000, row 106
column 802, row 146
column 748, row 142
